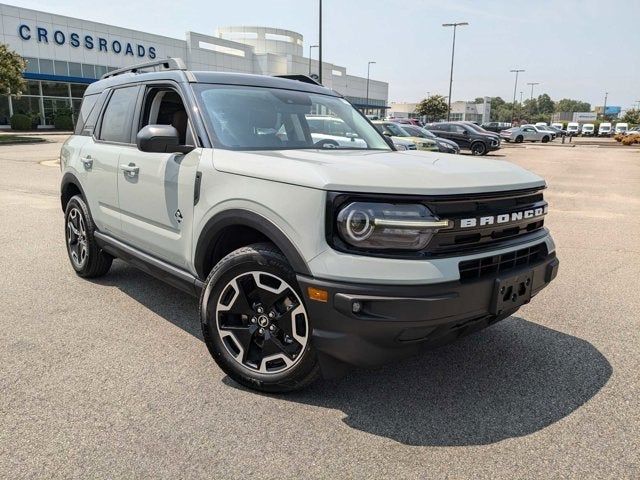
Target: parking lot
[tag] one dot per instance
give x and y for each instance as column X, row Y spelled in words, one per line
column 110, row 378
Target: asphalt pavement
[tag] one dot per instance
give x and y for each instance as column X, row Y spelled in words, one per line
column 110, row 378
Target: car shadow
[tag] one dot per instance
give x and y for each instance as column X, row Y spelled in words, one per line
column 510, row 380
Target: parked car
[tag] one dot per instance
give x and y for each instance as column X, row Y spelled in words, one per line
column 402, row 144
column 406, row 121
column 395, row 131
column 305, row 259
column 573, row 128
column 632, row 131
column 552, row 133
column 334, row 131
column 558, row 131
column 525, row 133
column 604, row 130
column 541, row 124
column 559, row 126
column 467, row 137
column 444, row 145
column 622, row 127
column 588, row 130
column 496, row 127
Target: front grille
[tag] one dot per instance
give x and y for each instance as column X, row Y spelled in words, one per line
column 495, row 264
column 460, row 240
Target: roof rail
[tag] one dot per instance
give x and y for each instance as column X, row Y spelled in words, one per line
column 166, row 64
column 300, row 78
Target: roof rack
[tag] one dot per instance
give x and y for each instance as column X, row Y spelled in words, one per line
column 300, row 78
column 166, row 64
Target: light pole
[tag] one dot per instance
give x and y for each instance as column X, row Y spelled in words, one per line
column 521, row 93
column 368, row 71
column 453, row 51
column 320, row 43
column 532, row 85
column 515, row 89
column 310, row 47
column 604, row 108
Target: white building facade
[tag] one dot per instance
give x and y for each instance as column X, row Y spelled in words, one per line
column 65, row 54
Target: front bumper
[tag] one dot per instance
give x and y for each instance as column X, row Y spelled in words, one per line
column 395, row 320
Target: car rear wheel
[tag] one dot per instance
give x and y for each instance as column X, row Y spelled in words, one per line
column 255, row 323
column 86, row 257
column 519, row 139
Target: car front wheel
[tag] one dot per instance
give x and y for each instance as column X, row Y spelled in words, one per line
column 545, row 139
column 255, row 323
column 478, row 148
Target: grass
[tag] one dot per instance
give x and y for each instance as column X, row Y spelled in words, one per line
column 12, row 139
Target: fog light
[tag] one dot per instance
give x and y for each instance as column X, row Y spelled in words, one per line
column 356, row 307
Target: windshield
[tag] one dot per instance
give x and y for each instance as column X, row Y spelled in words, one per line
column 258, row 118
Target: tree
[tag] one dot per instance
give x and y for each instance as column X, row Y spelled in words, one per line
column 434, row 107
column 546, row 105
column 568, row 105
column 632, row 116
column 11, row 67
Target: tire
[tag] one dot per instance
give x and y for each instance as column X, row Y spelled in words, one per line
column 478, row 148
column 519, row 139
column 545, row 139
column 86, row 257
column 255, row 323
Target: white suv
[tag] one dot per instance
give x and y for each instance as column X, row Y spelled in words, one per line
column 307, row 256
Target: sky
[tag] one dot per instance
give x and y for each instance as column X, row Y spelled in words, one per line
column 574, row 49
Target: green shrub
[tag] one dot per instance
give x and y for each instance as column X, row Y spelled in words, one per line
column 21, row 121
column 63, row 122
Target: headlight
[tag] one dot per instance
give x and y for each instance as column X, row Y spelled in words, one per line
column 371, row 225
column 446, row 146
column 400, row 146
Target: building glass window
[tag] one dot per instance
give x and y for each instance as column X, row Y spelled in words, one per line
column 75, row 69
column 100, row 71
column 55, row 89
column 46, row 66
column 61, row 68
column 4, row 110
column 77, row 90
column 88, row 71
column 33, row 88
column 52, row 106
column 32, row 65
column 28, row 106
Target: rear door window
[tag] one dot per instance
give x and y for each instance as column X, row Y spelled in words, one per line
column 118, row 115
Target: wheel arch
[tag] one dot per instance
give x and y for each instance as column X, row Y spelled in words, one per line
column 229, row 228
column 70, row 186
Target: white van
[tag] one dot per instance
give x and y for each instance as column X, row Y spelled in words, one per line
column 588, row 129
column 605, row 129
column 573, row 128
column 541, row 124
column 558, row 125
column 622, row 127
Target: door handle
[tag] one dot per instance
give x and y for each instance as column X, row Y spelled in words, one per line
column 87, row 161
column 130, row 170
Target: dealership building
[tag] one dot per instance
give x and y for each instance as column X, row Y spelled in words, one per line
column 65, row 54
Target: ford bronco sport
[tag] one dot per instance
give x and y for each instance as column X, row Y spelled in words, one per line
column 308, row 256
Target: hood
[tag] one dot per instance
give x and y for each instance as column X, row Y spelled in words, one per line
column 407, row 172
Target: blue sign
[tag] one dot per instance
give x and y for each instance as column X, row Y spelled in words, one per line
column 90, row 42
column 611, row 110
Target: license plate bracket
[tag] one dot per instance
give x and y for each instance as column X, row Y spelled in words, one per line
column 511, row 292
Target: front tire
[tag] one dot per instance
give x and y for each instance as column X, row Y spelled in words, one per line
column 255, row 323
column 545, row 139
column 87, row 258
column 479, row 148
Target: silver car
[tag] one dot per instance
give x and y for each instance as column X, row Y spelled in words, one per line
column 528, row 133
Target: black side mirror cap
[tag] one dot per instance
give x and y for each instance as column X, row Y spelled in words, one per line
column 160, row 139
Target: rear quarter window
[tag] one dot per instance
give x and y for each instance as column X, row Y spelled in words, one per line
column 87, row 107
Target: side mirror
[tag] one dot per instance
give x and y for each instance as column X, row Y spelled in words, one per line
column 161, row 139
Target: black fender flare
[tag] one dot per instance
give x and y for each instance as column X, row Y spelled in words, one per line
column 70, row 179
column 237, row 217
